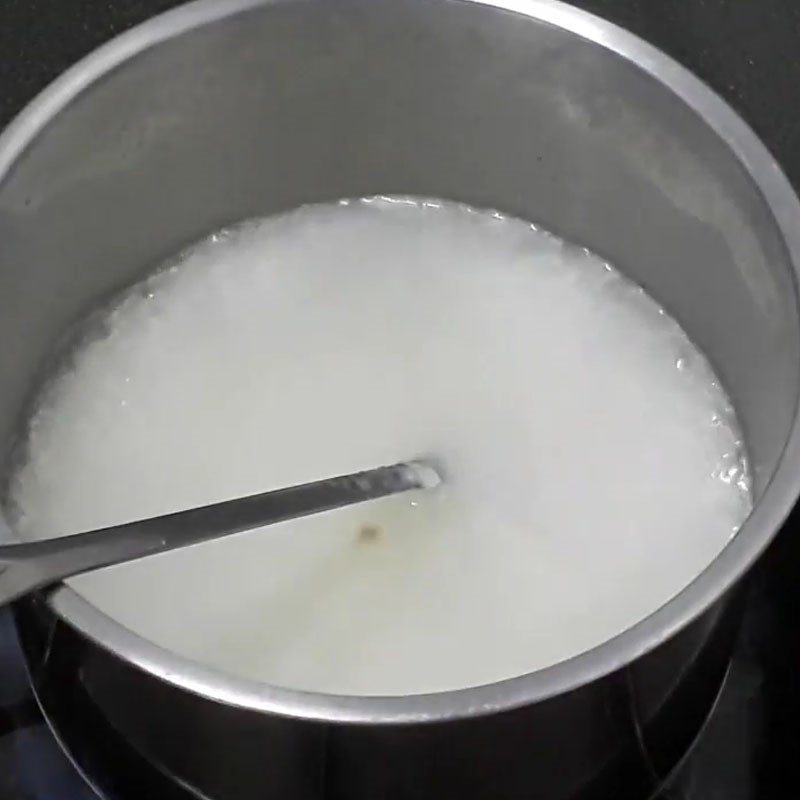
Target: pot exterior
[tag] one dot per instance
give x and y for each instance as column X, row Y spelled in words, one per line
column 620, row 736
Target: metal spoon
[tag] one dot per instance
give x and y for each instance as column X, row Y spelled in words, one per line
column 33, row 565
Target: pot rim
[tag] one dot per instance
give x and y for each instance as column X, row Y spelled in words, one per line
column 734, row 560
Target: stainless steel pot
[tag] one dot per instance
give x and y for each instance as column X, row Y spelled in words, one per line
column 224, row 110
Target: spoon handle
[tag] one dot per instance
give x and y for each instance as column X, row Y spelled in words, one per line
column 32, row 565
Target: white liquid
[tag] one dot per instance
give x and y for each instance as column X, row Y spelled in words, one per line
column 593, row 462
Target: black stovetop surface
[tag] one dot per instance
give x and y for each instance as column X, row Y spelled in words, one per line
column 749, row 52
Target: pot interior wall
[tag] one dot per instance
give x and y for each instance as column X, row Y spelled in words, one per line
column 293, row 102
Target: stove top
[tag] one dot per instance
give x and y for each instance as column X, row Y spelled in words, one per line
column 748, row 750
